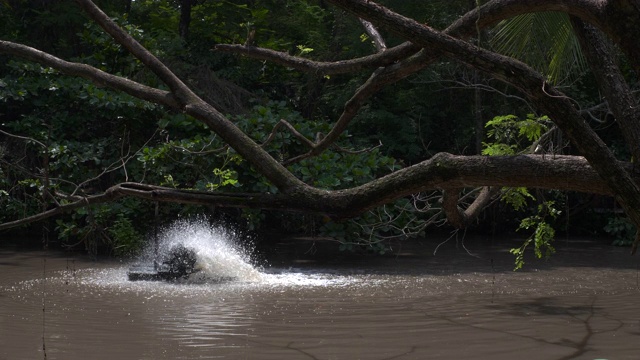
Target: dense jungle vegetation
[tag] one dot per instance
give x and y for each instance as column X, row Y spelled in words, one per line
column 66, row 137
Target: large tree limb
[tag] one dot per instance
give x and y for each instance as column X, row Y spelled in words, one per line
column 443, row 171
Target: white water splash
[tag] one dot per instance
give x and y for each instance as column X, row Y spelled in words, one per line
column 219, row 254
column 224, row 264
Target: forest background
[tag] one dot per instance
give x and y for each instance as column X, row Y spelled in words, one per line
column 71, row 136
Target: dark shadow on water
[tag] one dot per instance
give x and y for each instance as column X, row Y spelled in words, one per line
column 550, row 306
column 543, row 306
column 419, row 257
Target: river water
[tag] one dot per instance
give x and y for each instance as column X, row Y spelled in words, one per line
column 461, row 303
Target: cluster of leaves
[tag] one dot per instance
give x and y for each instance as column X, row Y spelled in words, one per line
column 511, row 136
column 542, row 236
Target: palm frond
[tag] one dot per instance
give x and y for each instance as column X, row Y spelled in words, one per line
column 545, row 41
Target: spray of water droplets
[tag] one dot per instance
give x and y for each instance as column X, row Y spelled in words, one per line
column 219, row 254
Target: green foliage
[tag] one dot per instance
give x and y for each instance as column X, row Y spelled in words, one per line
column 78, row 135
column 516, row 197
column 254, row 218
column 498, row 149
column 125, row 239
column 330, row 170
column 105, row 54
column 303, row 50
column 224, row 178
column 622, row 230
column 512, row 135
column 58, row 112
column 21, row 198
column 396, row 131
column 108, row 225
column 543, row 234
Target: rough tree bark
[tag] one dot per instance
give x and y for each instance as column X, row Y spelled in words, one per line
column 602, row 61
column 620, row 99
column 598, row 172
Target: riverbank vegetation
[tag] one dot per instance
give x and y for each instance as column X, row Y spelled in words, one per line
column 338, row 119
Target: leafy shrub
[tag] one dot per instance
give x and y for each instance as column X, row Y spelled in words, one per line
column 622, row 230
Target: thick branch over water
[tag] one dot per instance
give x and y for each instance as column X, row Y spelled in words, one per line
column 443, row 171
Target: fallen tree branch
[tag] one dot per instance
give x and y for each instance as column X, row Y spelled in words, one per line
column 443, row 171
column 108, row 196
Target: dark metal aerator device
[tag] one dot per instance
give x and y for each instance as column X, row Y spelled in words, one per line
column 178, row 263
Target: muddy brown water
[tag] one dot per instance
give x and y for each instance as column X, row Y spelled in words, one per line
column 582, row 304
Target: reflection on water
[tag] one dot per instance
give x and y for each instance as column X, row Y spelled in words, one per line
column 580, row 305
